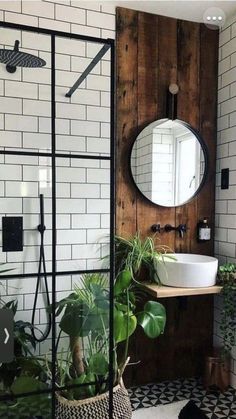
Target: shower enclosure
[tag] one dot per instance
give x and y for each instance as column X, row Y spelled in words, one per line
column 56, row 141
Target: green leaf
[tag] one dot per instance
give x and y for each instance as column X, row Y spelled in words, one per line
column 26, row 384
column 83, row 391
column 123, row 281
column 152, row 319
column 98, row 364
column 124, row 325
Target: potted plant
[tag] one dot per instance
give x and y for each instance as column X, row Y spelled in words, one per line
column 85, row 320
column 219, row 364
column 140, row 256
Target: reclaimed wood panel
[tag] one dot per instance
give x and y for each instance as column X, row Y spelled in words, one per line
column 127, row 118
column 152, row 52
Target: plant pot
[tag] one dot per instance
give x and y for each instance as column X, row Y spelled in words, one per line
column 217, row 371
column 95, row 407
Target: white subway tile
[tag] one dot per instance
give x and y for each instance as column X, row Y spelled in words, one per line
column 34, row 40
column 70, row 14
column 20, row 89
column 21, row 19
column 37, row 141
column 105, row 220
column 100, row 20
column 13, row 5
column 71, row 236
column 233, row 60
column 229, row 76
column 11, row 205
column 90, row 5
column 229, row 48
column 227, row 249
column 62, row 62
column 70, row 206
column 67, row 79
column 95, row 113
column 21, row 123
column 54, row 25
column 10, row 172
column 86, row 97
column 38, row 8
column 97, row 206
column 38, row 75
column 10, row 139
column 224, row 65
column 80, row 64
column 70, row 46
column 105, row 99
column 86, row 128
column 14, row 189
column 85, row 30
column 228, row 106
column 69, row 143
column 227, row 221
column 63, row 190
column 98, row 176
column 224, row 36
column 105, row 130
column 37, row 108
column 86, row 251
column 222, row 151
column 63, row 220
column 70, row 174
column 8, row 36
column 106, row 33
column 62, row 126
column 45, row 125
column 85, row 221
column 95, row 82
column 221, row 234
column 224, row 94
column 98, row 236
column 85, row 190
column 10, row 105
column 70, row 111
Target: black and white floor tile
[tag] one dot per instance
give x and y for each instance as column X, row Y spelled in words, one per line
column 216, row 405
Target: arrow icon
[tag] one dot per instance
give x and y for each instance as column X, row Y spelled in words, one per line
column 7, row 336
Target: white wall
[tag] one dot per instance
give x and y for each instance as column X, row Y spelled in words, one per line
column 225, row 233
column 82, row 127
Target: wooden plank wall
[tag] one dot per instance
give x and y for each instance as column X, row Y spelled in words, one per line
column 152, row 52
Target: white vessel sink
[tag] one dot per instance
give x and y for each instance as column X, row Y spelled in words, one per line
column 188, row 271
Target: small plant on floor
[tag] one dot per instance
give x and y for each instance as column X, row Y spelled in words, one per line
column 227, row 278
column 138, row 255
column 85, row 319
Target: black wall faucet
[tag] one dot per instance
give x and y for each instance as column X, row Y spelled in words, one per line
column 181, row 228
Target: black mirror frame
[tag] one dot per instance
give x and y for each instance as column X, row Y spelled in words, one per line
column 206, row 157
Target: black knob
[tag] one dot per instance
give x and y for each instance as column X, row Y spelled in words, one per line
column 156, row 228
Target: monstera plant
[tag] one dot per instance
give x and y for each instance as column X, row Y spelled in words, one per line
column 85, row 320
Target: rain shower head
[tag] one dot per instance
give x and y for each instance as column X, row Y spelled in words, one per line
column 15, row 58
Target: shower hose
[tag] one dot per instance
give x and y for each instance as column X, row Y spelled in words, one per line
column 42, row 275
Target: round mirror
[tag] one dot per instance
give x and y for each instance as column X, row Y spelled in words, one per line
column 169, row 162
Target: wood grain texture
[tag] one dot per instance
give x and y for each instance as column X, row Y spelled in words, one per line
column 152, row 52
column 127, row 118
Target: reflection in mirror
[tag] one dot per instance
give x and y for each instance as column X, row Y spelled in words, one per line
column 168, row 162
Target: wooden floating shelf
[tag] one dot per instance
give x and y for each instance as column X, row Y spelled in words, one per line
column 161, row 291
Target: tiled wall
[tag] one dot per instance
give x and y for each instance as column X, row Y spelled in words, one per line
column 225, row 233
column 82, row 127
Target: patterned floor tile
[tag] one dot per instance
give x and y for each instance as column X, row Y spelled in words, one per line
column 214, row 404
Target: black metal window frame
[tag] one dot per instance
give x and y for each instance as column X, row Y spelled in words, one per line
column 54, row 155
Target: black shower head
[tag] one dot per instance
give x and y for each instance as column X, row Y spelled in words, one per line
column 15, row 58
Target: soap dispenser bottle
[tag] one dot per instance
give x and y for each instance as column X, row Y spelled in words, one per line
column 203, row 230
